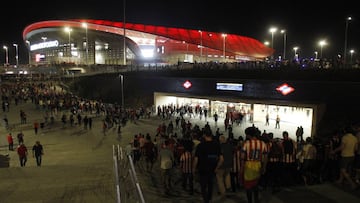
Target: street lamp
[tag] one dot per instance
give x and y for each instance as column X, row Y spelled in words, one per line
column 321, row 43
column 87, row 44
column 224, row 36
column 122, row 89
column 284, row 33
column 29, row 52
column 295, row 51
column 201, row 47
column 348, row 19
column 6, row 54
column 68, row 30
column 351, row 55
column 266, row 43
column 16, row 54
column 272, row 31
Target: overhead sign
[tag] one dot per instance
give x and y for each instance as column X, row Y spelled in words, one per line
column 285, row 89
column 187, row 84
column 229, row 86
column 44, row 45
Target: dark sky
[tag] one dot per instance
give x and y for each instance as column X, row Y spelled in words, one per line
column 307, row 22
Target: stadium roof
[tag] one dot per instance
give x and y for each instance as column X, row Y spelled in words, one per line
column 235, row 44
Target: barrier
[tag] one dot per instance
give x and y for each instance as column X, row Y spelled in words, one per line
column 128, row 188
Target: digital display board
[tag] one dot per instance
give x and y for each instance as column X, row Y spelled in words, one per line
column 229, row 86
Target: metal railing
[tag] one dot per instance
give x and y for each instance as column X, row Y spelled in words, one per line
column 128, row 188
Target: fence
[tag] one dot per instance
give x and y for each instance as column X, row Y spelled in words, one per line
column 126, row 182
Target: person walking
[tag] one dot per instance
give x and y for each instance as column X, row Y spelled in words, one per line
column 36, row 127
column 186, row 166
column 207, row 161
column 348, row 148
column 151, row 152
column 277, row 123
column 20, row 137
column 10, row 141
column 37, row 152
column 223, row 173
column 253, row 163
column 22, row 152
column 289, row 166
column 308, row 166
column 166, row 157
column 216, row 117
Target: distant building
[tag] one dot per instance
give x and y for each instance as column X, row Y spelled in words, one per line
column 102, row 42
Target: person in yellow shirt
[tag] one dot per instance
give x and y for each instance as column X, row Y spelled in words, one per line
column 348, row 147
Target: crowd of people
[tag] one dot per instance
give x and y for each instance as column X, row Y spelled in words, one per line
column 250, row 162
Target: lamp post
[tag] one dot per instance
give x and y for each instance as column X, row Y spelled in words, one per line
column 321, row 43
column 6, row 55
column 16, row 54
column 295, row 52
column 29, row 51
column 201, row 47
column 224, row 36
column 68, row 30
column 87, row 44
column 348, row 19
column 284, row 33
column 122, row 89
column 272, row 31
column 351, row 55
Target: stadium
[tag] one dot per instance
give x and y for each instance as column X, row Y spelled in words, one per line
column 93, row 42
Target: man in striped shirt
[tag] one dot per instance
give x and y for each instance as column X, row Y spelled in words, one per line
column 186, row 166
column 289, row 167
column 254, row 159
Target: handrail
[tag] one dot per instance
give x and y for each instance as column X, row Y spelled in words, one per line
column 118, row 158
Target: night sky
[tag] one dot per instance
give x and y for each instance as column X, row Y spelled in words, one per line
column 306, row 23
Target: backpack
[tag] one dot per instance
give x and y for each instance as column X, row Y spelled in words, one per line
column 151, row 151
column 288, row 146
column 136, row 143
column 275, row 150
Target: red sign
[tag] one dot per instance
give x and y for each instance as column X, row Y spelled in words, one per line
column 285, row 89
column 187, row 84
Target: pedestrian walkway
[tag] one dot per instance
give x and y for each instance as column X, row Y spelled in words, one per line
column 78, row 167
